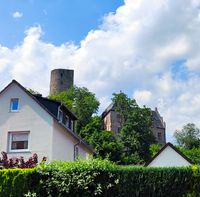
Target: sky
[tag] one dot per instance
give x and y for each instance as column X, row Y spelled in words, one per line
column 148, row 49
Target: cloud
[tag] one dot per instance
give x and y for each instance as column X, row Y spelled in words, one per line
column 17, row 14
column 139, row 49
column 142, row 97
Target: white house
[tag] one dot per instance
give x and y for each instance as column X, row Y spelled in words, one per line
column 32, row 124
column 169, row 156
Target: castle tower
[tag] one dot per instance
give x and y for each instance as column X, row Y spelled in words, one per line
column 61, row 80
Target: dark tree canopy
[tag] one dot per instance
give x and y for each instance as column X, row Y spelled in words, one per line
column 136, row 135
column 81, row 101
column 188, row 136
column 104, row 142
column 131, row 146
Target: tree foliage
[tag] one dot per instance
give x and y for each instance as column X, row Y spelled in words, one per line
column 193, row 154
column 136, row 134
column 81, row 101
column 154, row 148
column 131, row 146
column 188, row 136
column 105, row 143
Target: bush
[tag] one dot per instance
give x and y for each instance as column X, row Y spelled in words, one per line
column 102, row 178
column 18, row 182
column 82, row 178
column 99, row 178
column 15, row 162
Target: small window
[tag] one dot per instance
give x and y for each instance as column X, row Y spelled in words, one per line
column 18, row 141
column 60, row 115
column 118, row 130
column 76, row 153
column 118, row 118
column 159, row 136
column 14, row 104
column 72, row 125
column 66, row 120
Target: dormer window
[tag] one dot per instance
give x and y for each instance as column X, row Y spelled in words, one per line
column 66, row 121
column 60, row 115
column 14, row 105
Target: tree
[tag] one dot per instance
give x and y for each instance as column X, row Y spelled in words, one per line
column 81, row 101
column 193, row 154
column 104, row 142
column 154, row 148
column 188, row 136
column 33, row 91
column 136, row 134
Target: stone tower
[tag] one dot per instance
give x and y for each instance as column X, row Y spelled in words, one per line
column 61, row 80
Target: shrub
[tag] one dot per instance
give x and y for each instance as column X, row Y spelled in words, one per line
column 15, row 162
column 102, row 178
column 99, row 178
column 18, row 182
column 82, row 178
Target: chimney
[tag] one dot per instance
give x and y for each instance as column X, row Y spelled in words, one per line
column 61, row 80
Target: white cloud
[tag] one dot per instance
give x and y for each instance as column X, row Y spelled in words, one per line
column 142, row 97
column 134, row 50
column 17, row 14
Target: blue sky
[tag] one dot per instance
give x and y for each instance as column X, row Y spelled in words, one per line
column 61, row 20
column 148, row 49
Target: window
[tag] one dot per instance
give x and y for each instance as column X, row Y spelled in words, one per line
column 66, row 121
column 60, row 115
column 14, row 104
column 119, row 118
column 18, row 141
column 159, row 136
column 76, row 152
column 72, row 125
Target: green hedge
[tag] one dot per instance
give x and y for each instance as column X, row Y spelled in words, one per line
column 99, row 178
column 102, row 178
column 18, row 182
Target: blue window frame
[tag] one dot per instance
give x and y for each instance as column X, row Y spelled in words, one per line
column 14, row 104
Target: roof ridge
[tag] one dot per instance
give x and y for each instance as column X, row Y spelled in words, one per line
column 163, row 148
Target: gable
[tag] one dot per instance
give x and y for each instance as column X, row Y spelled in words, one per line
column 26, row 100
column 27, row 105
column 32, row 107
column 169, row 156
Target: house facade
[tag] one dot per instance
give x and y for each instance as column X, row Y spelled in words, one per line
column 112, row 122
column 32, row 124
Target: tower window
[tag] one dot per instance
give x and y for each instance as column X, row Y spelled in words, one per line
column 159, row 135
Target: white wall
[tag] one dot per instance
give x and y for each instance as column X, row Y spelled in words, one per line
column 31, row 117
column 63, row 144
column 169, row 158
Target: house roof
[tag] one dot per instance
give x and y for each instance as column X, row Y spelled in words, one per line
column 163, row 148
column 111, row 107
column 50, row 107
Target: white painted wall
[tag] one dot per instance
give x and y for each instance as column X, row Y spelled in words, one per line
column 31, row 117
column 63, row 144
column 168, row 158
column 83, row 152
